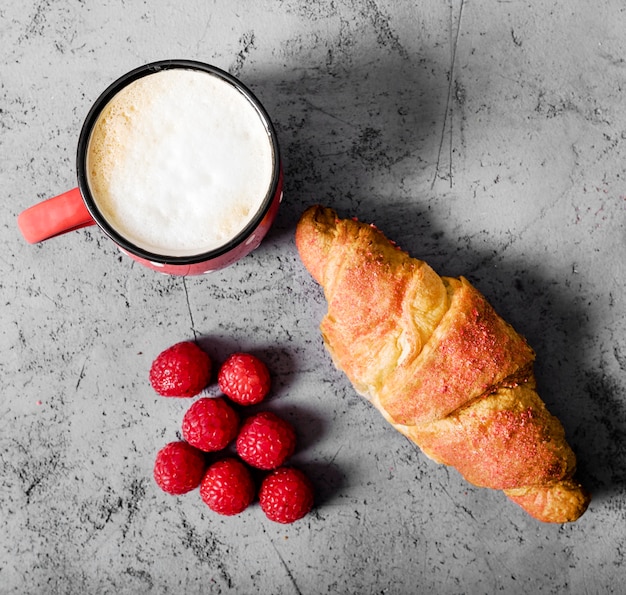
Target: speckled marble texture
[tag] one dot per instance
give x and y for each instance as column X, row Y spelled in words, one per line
column 486, row 137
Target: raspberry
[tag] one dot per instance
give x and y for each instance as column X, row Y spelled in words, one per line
column 182, row 370
column 227, row 487
column 179, row 468
column 265, row 440
column 286, row 495
column 244, row 378
column 210, row 424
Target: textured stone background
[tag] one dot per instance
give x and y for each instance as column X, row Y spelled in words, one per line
column 487, row 137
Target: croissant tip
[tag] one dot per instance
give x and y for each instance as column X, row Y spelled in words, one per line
column 564, row 502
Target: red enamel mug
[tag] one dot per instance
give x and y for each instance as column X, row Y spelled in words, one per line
column 178, row 163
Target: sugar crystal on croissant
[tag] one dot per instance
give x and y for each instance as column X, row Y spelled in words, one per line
column 433, row 356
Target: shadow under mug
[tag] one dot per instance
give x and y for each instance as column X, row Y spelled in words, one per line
column 77, row 208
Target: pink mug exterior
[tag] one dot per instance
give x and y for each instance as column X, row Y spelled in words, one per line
column 76, row 208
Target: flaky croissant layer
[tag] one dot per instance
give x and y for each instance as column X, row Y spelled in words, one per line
column 433, row 356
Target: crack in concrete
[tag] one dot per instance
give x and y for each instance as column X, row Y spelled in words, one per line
column 193, row 325
column 448, row 110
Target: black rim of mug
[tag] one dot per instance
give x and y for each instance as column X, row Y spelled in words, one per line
column 81, row 159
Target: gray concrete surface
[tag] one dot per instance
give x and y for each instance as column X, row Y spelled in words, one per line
column 488, row 138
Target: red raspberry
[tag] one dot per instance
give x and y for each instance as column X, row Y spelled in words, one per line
column 210, row 424
column 244, row 378
column 179, row 468
column 265, row 440
column 286, row 495
column 182, row 370
column 227, row 487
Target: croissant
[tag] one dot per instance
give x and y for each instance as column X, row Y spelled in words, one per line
column 431, row 354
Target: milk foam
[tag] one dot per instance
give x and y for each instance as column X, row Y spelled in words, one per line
column 179, row 162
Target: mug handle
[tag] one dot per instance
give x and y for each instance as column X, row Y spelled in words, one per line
column 54, row 216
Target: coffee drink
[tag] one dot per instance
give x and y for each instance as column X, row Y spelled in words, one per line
column 179, row 162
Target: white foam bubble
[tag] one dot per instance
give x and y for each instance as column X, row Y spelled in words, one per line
column 179, row 162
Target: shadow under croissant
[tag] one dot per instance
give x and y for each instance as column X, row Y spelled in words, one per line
column 332, row 146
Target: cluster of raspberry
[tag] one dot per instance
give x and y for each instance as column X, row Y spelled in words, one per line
column 263, row 440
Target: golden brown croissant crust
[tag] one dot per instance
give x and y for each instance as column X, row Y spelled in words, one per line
column 439, row 363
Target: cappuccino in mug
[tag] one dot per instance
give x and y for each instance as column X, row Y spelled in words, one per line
column 179, row 162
